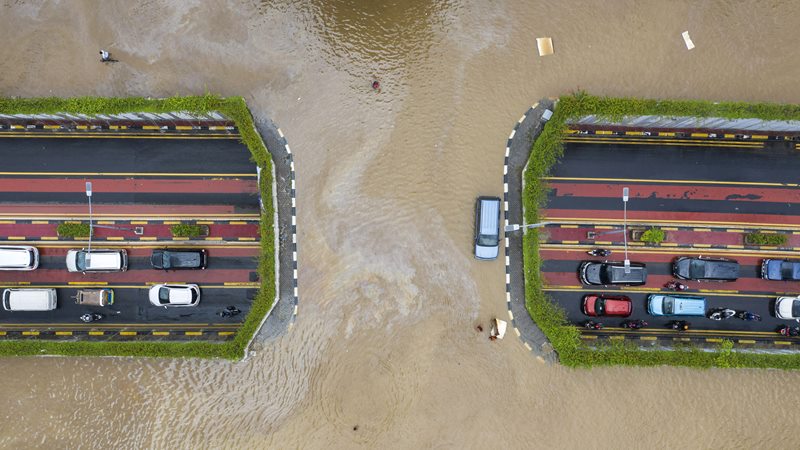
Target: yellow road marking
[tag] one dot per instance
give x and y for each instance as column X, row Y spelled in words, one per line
column 92, row 283
column 193, row 333
column 718, row 224
column 130, row 174
column 662, row 143
column 127, row 333
column 96, row 333
column 49, row 238
column 106, row 135
column 701, row 229
column 569, row 242
column 675, row 251
column 171, row 222
column 204, row 222
column 661, row 181
column 247, row 239
column 648, row 338
column 603, row 132
column 746, row 341
column 115, row 238
column 160, row 333
column 63, row 333
column 713, row 340
column 148, row 238
column 666, row 133
column 699, row 135
column 16, row 238
column 782, row 342
column 701, row 245
column 619, row 337
column 183, row 127
column 569, row 226
column 588, row 336
column 40, row 222
column 234, row 285
column 237, row 222
column 676, row 140
column 30, row 333
column 225, row 333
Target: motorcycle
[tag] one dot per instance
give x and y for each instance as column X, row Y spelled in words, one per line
column 91, row 317
column 680, row 325
column 789, row 331
column 601, row 252
column 634, row 324
column 676, row 285
column 592, row 325
column 721, row 314
column 748, row 316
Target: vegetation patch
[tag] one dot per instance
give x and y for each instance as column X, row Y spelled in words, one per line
column 653, row 235
column 188, row 230
column 234, row 108
column 72, row 229
column 547, row 150
column 773, row 239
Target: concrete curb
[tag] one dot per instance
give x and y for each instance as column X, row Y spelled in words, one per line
column 518, row 148
column 283, row 314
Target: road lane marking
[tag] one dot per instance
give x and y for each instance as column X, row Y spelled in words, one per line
column 755, row 252
column 160, row 333
column 127, row 333
column 88, row 283
column 130, row 174
column 661, row 181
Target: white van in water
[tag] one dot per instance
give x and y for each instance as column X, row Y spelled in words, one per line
column 18, row 257
column 29, row 299
column 487, row 227
column 99, row 260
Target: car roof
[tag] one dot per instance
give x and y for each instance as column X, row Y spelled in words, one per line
column 490, row 215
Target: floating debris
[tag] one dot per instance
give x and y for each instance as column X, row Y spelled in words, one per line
column 687, row 40
column 545, row 45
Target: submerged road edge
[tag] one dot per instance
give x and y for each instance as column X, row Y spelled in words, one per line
column 517, row 154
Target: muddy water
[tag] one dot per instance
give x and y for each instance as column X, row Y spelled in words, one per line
column 383, row 354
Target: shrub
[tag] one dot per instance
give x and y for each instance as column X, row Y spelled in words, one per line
column 72, row 229
column 765, row 239
column 188, row 230
column 654, row 235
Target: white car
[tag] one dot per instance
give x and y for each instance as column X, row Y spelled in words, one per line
column 175, row 295
column 787, row 308
column 18, row 257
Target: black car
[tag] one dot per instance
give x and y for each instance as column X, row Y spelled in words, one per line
column 170, row 259
column 605, row 273
column 780, row 269
column 705, row 269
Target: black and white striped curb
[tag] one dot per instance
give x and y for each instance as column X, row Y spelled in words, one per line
column 505, row 221
column 294, row 228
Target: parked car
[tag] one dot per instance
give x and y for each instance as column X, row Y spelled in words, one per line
column 787, row 308
column 607, row 305
column 99, row 260
column 171, row 259
column 675, row 305
column 29, row 299
column 487, row 227
column 705, row 269
column 167, row 295
column 605, row 273
column 780, row 269
column 18, row 257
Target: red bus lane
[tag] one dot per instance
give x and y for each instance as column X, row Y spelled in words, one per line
column 673, row 217
column 228, row 250
column 37, row 209
column 556, row 233
column 681, row 191
column 222, row 229
column 130, row 185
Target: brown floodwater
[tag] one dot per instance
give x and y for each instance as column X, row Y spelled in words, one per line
column 384, row 352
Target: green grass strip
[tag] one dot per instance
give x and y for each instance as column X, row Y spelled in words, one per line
column 546, row 152
column 235, row 109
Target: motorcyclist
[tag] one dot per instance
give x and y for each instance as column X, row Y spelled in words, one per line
column 600, row 252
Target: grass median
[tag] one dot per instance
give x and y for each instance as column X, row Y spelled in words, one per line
column 235, row 109
column 547, row 150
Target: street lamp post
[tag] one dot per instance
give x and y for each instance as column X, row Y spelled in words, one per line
column 625, row 227
column 515, row 227
column 89, row 194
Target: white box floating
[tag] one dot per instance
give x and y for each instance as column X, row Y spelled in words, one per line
column 545, row 45
column 687, row 40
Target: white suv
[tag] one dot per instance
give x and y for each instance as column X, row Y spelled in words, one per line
column 18, row 257
column 99, row 260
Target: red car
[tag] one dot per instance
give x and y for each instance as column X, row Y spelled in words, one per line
column 607, row 305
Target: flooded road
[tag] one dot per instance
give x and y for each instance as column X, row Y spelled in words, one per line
column 384, row 352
